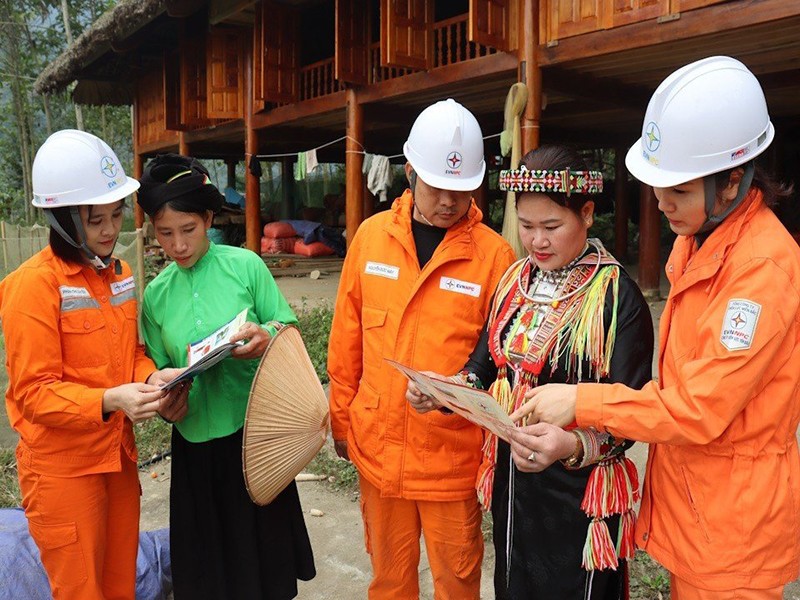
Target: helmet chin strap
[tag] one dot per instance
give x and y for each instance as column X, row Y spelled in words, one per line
column 412, row 183
column 710, row 187
column 94, row 260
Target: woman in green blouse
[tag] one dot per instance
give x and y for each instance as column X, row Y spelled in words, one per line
column 222, row 545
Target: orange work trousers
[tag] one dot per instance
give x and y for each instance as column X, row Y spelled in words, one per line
column 87, row 531
column 681, row 590
column 453, row 541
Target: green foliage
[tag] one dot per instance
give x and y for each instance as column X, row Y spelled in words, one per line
column 154, row 263
column 649, row 580
column 32, row 34
column 9, row 485
column 152, row 438
column 315, row 326
column 342, row 475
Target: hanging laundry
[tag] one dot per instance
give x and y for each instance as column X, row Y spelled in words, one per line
column 367, row 162
column 380, row 176
column 300, row 167
column 311, row 160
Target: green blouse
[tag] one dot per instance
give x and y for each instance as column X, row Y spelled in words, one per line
column 182, row 306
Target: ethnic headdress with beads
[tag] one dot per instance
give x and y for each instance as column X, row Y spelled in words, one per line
column 545, row 181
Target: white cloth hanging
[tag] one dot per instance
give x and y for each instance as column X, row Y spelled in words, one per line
column 311, row 160
column 380, row 176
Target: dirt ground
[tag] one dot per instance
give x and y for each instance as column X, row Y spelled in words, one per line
column 343, row 569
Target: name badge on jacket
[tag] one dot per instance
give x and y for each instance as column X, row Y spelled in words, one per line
column 68, row 292
column 382, row 270
column 460, row 287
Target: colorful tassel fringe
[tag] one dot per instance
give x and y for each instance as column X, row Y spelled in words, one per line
column 486, row 478
column 598, row 551
column 612, row 489
column 626, row 546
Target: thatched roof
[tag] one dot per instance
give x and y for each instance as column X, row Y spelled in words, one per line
column 111, row 28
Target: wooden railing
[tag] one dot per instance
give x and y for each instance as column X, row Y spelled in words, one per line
column 377, row 73
column 317, row 79
column 451, row 45
column 451, row 42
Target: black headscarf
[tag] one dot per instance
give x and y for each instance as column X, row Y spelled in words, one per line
column 171, row 177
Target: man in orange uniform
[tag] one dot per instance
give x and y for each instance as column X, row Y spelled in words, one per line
column 415, row 288
column 69, row 324
column 721, row 501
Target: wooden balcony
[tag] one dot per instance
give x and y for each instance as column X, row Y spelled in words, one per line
column 560, row 19
column 377, row 73
column 317, row 79
column 451, row 43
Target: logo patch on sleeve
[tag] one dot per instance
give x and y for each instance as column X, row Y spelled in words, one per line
column 460, row 287
column 739, row 324
column 123, row 286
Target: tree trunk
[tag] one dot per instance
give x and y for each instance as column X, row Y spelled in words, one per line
column 11, row 41
column 68, row 32
column 48, row 118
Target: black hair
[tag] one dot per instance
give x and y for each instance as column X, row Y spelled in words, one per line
column 61, row 247
column 412, row 180
column 774, row 192
column 558, row 158
column 777, row 194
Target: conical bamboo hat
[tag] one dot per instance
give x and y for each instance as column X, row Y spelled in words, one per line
column 287, row 417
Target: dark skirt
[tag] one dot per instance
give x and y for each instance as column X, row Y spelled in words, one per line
column 549, row 531
column 222, row 545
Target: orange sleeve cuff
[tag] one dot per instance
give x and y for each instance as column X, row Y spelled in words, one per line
column 339, row 429
column 91, row 405
column 143, row 366
column 589, row 405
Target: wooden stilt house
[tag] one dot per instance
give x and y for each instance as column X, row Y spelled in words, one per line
column 233, row 79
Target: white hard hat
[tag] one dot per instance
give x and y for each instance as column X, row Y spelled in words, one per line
column 445, row 147
column 706, row 117
column 73, row 168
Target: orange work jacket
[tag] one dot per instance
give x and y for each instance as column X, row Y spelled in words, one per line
column 721, row 500
column 429, row 320
column 70, row 333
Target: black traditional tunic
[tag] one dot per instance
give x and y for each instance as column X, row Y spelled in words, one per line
column 548, row 527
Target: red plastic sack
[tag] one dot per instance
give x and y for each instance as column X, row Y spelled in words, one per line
column 313, row 249
column 279, row 229
column 270, row 245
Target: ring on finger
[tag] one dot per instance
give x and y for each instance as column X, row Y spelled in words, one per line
column 532, row 456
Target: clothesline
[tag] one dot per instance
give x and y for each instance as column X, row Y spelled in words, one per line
column 336, row 141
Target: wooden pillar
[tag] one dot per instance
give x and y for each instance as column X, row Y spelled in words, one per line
column 621, row 208
column 252, row 184
column 369, row 202
column 231, row 164
column 183, row 145
column 138, row 167
column 531, row 75
column 354, row 202
column 481, row 197
column 286, row 210
column 649, row 242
